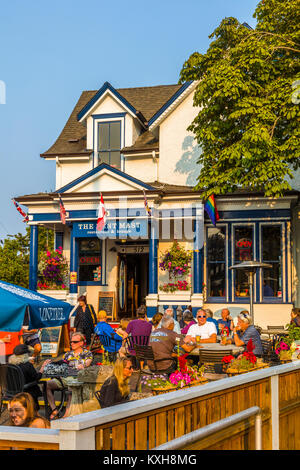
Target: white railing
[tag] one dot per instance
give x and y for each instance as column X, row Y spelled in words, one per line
column 210, row 429
column 78, row 432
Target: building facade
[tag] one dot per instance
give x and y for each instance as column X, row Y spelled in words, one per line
column 132, row 145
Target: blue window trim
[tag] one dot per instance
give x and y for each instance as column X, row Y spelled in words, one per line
column 110, row 150
column 89, row 283
column 257, row 254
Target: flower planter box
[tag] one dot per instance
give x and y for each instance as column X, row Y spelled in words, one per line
column 59, row 294
column 160, row 390
column 231, row 372
column 175, row 296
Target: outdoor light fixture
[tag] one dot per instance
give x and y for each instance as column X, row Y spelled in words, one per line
column 250, row 268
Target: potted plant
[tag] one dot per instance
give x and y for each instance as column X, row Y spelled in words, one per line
column 285, row 350
column 184, row 377
column 245, row 362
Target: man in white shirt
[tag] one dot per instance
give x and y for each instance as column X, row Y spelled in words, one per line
column 206, row 330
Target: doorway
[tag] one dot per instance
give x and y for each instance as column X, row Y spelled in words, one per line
column 132, row 283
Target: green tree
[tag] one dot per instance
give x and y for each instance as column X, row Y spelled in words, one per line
column 14, row 255
column 248, row 123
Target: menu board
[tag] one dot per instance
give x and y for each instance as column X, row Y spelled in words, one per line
column 50, row 340
column 106, row 301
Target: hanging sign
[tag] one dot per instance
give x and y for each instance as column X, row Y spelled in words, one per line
column 116, row 228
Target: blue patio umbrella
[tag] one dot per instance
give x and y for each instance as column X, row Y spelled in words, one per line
column 44, row 311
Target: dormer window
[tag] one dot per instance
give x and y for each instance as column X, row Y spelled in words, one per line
column 109, row 143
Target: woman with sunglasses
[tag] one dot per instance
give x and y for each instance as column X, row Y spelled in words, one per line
column 78, row 358
column 115, row 389
column 22, row 412
column 244, row 331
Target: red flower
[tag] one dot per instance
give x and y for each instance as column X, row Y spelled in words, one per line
column 227, row 359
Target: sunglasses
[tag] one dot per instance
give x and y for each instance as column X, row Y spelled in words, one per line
column 201, row 316
column 76, row 341
column 129, row 368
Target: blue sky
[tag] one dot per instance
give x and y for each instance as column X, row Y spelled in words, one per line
column 50, row 52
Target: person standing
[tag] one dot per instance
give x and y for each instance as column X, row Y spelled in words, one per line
column 85, row 319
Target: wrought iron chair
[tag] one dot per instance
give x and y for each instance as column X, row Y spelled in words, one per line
column 145, row 353
column 212, row 360
column 12, row 381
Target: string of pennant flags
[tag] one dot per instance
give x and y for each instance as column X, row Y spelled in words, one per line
column 209, row 206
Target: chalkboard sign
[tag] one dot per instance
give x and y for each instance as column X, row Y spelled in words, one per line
column 106, row 301
column 50, row 340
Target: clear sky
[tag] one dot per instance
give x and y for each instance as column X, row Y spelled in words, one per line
column 50, row 52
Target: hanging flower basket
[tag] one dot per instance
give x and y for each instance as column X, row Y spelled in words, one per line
column 176, row 261
column 53, row 270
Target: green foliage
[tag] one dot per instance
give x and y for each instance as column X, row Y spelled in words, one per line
column 14, row 259
column 294, row 333
column 14, row 255
column 248, row 123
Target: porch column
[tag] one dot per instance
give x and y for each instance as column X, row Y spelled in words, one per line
column 197, row 294
column 197, row 260
column 73, row 263
column 153, row 244
column 33, row 259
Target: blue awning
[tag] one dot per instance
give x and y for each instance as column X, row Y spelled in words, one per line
column 44, row 311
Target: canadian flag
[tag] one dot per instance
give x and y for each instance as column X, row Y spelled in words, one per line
column 101, row 215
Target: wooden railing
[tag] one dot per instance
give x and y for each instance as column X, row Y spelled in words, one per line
column 148, row 423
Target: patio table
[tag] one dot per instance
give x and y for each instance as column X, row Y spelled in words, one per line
column 216, row 347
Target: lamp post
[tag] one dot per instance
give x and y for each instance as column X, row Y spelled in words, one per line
column 250, row 268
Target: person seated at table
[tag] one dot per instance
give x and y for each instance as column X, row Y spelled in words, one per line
column 187, row 310
column 163, row 341
column 225, row 320
column 188, row 319
column 114, row 340
column 78, row 358
column 21, row 358
column 170, row 312
column 31, row 337
column 115, row 389
column 295, row 317
column 121, row 331
column 244, row 331
column 156, row 319
column 210, row 318
column 206, row 330
column 22, row 412
column 139, row 327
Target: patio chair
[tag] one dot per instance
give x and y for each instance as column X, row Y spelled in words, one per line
column 106, row 341
column 12, row 381
column 145, row 353
column 131, row 341
column 212, row 360
column 95, row 344
column 269, row 354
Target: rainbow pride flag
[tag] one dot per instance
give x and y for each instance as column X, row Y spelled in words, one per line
column 211, row 209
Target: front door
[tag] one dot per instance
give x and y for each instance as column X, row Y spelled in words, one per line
column 122, row 286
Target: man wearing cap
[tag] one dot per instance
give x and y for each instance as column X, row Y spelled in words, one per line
column 244, row 331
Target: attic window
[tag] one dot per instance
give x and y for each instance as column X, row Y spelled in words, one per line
column 109, row 143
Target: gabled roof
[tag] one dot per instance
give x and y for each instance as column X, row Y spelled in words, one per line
column 145, row 142
column 146, row 101
column 103, row 168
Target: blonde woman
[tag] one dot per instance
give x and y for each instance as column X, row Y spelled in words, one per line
column 121, row 331
column 115, row 389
